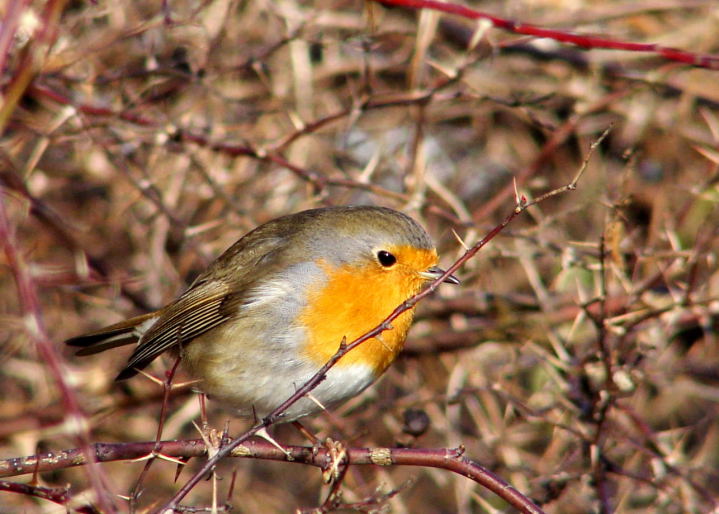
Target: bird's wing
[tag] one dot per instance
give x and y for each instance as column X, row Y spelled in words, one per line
column 199, row 310
column 214, row 298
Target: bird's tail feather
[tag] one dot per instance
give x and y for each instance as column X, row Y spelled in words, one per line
column 119, row 334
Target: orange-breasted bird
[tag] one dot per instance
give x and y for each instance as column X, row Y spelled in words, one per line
column 271, row 310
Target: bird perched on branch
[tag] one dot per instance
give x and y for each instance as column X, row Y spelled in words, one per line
column 270, row 311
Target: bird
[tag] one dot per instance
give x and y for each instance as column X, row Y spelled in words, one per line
column 270, row 311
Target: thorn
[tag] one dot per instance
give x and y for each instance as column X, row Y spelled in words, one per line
column 152, row 378
column 262, row 433
column 319, row 403
column 168, row 458
column 148, row 456
column 180, row 467
column 381, row 340
column 157, row 455
column 460, row 240
column 185, row 383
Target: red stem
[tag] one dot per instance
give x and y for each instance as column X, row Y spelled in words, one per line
column 581, row 40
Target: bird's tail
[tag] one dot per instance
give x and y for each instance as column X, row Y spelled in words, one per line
column 119, row 334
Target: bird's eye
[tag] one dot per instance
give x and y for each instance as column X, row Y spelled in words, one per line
column 385, row 258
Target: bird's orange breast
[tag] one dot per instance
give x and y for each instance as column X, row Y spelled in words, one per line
column 353, row 301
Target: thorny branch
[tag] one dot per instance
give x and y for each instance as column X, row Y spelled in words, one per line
column 441, row 458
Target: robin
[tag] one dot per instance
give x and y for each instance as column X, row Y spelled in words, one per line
column 272, row 309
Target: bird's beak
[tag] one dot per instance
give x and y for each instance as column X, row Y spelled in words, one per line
column 435, row 272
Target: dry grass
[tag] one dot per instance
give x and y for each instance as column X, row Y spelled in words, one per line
column 619, row 276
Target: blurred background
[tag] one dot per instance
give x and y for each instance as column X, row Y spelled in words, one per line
column 578, row 359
